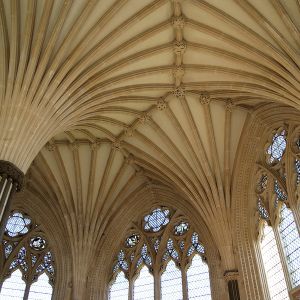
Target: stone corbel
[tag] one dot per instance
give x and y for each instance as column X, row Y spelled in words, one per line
column 231, row 275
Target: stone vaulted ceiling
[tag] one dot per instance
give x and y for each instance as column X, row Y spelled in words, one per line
column 139, row 91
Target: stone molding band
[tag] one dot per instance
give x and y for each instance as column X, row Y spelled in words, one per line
column 9, row 170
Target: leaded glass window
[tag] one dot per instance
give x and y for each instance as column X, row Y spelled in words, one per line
column 291, row 243
column 277, row 226
column 41, row 289
column 277, row 146
column 13, row 287
column 198, row 279
column 157, row 219
column 17, row 224
column 119, row 289
column 26, row 259
column 164, row 245
column 171, row 282
column 144, row 285
column 273, row 266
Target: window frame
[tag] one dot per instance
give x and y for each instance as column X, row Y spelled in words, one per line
column 20, row 241
column 158, row 264
column 283, row 173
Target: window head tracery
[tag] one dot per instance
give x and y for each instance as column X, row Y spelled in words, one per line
column 17, row 224
column 277, row 147
column 157, row 219
column 181, row 228
column 25, row 248
column 263, row 213
column 132, row 240
column 163, row 235
column 276, row 191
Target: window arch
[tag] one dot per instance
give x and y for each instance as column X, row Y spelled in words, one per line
column 26, row 260
column 171, row 282
column 277, row 193
column 161, row 255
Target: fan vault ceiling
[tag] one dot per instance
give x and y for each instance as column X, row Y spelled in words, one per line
column 128, row 92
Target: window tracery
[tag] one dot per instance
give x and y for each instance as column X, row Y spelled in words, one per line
column 161, row 246
column 25, row 250
column 278, row 207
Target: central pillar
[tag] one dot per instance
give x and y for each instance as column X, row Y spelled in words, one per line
column 11, row 181
column 231, row 278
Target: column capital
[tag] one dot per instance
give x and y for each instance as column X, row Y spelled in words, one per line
column 231, row 275
column 9, row 170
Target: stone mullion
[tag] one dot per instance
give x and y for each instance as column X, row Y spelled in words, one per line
column 12, row 180
column 157, row 285
column 261, row 269
column 185, row 292
column 130, row 289
column 5, row 191
column 27, row 289
column 291, row 186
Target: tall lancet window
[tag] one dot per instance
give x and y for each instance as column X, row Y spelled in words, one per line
column 278, row 207
column 161, row 257
column 27, row 265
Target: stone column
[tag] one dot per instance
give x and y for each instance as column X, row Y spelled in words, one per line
column 11, row 181
column 231, row 278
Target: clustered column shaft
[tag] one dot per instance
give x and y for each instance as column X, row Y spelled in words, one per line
column 11, row 181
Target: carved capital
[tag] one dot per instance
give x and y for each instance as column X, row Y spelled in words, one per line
column 204, row 98
column 9, row 170
column 161, row 104
column 231, row 275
